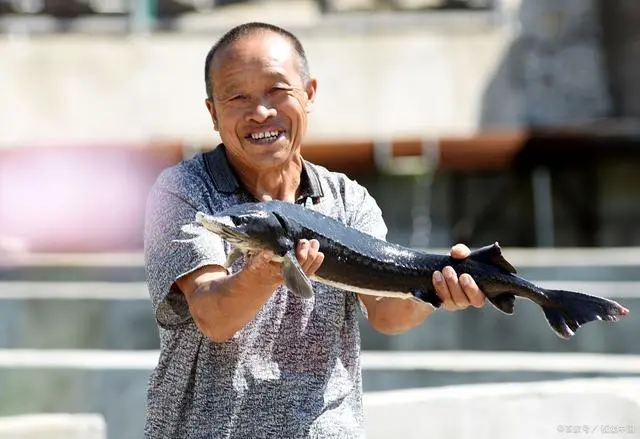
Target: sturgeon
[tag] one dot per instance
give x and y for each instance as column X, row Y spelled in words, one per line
column 358, row 262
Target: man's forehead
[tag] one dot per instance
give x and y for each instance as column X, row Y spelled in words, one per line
column 256, row 48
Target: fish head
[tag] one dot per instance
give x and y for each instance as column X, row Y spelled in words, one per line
column 248, row 230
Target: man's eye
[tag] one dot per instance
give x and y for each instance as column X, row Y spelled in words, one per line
column 238, row 98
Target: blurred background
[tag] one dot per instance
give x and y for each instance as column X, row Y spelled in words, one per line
column 471, row 121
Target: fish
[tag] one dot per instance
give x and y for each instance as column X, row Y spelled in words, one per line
column 358, row 262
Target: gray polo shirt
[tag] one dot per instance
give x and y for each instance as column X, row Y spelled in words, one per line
column 294, row 371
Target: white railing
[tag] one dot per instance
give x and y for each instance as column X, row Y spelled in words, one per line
column 453, row 361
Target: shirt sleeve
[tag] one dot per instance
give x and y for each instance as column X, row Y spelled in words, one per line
column 175, row 245
column 367, row 218
column 366, row 215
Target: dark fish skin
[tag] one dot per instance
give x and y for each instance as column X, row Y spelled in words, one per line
column 356, row 259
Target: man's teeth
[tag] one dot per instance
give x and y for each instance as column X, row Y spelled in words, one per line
column 264, row 134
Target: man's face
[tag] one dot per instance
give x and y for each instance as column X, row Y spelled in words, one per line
column 260, row 102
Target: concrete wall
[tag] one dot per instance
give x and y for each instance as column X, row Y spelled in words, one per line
column 71, row 88
column 53, row 426
column 594, row 408
column 535, row 62
column 118, row 396
column 521, row 406
column 553, row 72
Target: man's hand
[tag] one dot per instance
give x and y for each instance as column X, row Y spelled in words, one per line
column 222, row 304
column 308, row 255
column 457, row 293
column 307, row 252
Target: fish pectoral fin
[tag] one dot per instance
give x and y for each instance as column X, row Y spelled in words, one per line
column 295, row 278
column 492, row 254
column 504, row 302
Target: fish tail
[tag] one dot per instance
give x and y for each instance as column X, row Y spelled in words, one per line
column 569, row 310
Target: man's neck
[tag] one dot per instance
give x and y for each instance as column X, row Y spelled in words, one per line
column 278, row 183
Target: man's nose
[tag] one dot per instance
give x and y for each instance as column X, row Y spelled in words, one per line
column 262, row 111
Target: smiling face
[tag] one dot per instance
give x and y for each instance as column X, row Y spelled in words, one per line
column 260, row 101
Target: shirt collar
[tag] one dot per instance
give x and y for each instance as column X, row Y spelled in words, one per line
column 225, row 181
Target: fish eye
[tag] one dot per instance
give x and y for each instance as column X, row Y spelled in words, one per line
column 248, row 217
column 238, row 220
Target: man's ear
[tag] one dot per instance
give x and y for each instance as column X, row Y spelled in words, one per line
column 310, row 90
column 212, row 112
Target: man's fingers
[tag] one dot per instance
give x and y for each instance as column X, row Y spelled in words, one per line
column 460, row 251
column 307, row 254
column 302, row 252
column 457, row 295
column 463, row 290
column 314, row 257
column 317, row 262
column 261, row 261
column 471, row 290
column 443, row 291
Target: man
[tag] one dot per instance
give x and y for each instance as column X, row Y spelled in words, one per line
column 241, row 357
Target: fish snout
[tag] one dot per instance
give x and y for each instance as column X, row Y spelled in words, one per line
column 220, row 225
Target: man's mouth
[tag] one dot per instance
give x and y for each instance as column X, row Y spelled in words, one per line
column 265, row 137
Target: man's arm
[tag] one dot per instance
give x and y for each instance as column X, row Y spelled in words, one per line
column 222, row 304
column 394, row 316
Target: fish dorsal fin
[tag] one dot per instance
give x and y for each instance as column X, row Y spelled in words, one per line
column 492, row 254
